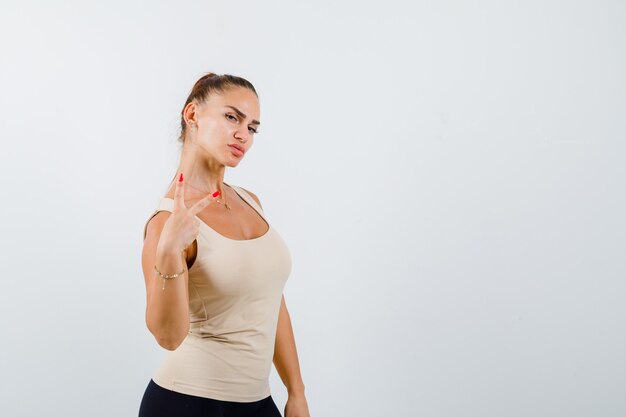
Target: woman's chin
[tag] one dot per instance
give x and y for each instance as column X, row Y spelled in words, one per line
column 232, row 162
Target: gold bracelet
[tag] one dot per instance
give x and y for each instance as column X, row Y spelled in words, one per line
column 166, row 276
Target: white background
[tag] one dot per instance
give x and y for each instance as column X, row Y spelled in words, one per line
column 449, row 177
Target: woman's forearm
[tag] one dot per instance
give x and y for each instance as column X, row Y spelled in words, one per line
column 167, row 313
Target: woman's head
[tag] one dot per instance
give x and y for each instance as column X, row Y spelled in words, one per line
column 221, row 111
column 208, row 85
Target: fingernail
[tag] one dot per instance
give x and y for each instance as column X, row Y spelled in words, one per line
column 180, row 179
column 215, row 194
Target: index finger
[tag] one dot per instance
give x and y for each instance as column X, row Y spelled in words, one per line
column 200, row 205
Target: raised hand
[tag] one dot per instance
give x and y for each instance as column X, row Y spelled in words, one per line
column 182, row 227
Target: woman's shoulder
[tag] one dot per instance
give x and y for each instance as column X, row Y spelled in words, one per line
column 254, row 196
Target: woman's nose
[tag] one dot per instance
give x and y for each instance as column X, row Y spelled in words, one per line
column 243, row 134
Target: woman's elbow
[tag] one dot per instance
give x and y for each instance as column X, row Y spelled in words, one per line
column 168, row 343
column 168, row 338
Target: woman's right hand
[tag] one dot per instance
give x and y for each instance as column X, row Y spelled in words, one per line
column 182, row 227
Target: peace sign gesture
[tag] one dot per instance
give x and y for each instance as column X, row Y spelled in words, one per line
column 182, row 227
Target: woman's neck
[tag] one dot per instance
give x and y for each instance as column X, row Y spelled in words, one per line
column 201, row 174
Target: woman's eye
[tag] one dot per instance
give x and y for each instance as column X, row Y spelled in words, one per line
column 231, row 117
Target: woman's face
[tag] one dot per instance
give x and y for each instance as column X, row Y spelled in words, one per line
column 227, row 119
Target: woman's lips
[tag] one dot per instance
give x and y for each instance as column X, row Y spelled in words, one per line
column 236, row 150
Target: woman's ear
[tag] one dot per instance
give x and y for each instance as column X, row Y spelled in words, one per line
column 190, row 114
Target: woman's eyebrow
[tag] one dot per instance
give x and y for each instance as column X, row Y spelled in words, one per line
column 240, row 113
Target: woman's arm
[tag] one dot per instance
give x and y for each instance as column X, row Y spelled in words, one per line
column 285, row 354
column 167, row 311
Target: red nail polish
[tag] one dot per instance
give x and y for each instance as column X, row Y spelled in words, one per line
column 180, row 179
column 215, row 194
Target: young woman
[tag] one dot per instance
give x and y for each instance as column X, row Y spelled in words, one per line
column 215, row 270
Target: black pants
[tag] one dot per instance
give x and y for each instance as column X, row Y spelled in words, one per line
column 161, row 402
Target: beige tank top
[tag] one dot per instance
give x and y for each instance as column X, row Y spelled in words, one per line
column 235, row 289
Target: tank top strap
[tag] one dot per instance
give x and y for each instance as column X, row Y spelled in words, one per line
column 164, row 204
column 248, row 198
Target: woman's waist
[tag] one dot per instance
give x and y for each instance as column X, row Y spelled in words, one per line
column 223, row 378
column 207, row 359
